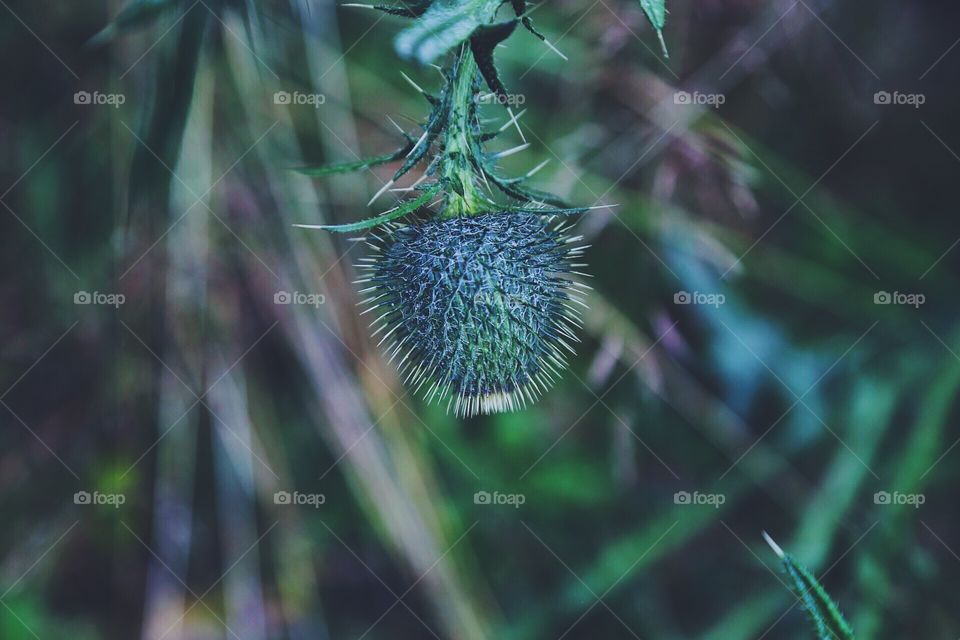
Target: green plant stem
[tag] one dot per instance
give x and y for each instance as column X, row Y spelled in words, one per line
column 456, row 171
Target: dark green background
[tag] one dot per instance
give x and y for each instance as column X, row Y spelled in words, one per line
column 199, row 397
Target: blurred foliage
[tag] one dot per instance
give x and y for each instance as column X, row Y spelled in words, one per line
column 814, row 412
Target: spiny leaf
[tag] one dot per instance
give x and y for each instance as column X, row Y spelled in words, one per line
column 443, row 26
column 514, row 188
column 528, row 23
column 824, row 613
column 138, row 13
column 407, row 9
column 406, row 207
column 656, row 11
column 346, row 167
column 545, row 211
column 520, row 8
column 482, row 43
column 436, row 123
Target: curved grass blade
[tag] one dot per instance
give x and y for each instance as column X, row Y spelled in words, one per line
column 174, row 85
column 136, row 14
column 408, row 206
column 824, row 613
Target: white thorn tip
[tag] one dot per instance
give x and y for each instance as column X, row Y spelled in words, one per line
column 555, row 50
column 513, row 118
column 773, row 545
column 380, row 193
column 537, row 168
column 510, row 152
column 412, row 83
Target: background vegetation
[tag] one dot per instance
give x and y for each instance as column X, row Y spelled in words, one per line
column 798, row 406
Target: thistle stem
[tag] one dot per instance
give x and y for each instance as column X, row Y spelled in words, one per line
column 463, row 196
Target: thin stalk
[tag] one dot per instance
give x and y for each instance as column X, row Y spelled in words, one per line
column 456, row 170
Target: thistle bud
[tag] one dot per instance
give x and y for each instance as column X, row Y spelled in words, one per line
column 480, row 309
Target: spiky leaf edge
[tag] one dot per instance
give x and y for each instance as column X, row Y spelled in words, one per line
column 347, row 167
column 405, row 208
column 824, row 613
column 656, row 12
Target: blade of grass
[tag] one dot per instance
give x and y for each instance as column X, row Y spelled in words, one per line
column 911, row 472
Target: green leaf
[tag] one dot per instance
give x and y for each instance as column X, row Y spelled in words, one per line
column 656, row 11
column 403, row 209
column 137, row 14
column 825, row 615
column 445, row 25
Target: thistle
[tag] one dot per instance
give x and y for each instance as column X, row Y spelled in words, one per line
column 480, row 306
column 476, row 301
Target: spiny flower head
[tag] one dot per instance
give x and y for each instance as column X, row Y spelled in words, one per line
column 475, row 300
column 478, row 308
